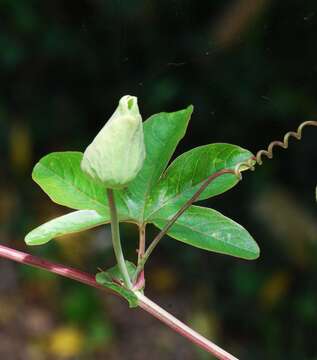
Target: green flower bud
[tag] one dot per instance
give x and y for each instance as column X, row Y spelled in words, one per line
column 117, row 153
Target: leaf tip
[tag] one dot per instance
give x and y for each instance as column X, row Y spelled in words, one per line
column 32, row 239
column 190, row 109
column 254, row 252
column 28, row 239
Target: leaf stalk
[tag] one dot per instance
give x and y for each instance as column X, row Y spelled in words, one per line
column 172, row 221
column 116, row 241
column 139, row 278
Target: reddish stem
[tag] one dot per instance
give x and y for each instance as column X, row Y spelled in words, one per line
column 182, row 329
column 145, row 303
column 139, row 279
column 58, row 269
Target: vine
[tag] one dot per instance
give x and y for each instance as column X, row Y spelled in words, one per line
column 190, row 178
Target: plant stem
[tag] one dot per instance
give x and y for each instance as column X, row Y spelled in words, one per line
column 182, row 329
column 34, row 261
column 116, row 242
column 144, row 303
column 141, row 249
column 139, row 278
column 188, row 203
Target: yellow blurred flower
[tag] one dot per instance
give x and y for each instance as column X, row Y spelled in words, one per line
column 66, row 342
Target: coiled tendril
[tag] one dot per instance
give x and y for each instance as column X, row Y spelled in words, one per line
column 249, row 164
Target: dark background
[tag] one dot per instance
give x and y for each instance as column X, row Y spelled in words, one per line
column 250, row 69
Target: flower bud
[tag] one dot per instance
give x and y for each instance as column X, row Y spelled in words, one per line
column 117, row 153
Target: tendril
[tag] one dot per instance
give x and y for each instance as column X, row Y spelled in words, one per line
column 284, row 144
column 250, row 163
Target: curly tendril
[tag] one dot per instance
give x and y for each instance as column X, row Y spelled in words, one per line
column 250, row 164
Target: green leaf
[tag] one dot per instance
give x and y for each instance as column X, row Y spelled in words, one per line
column 187, row 173
column 162, row 133
column 60, row 176
column 71, row 223
column 113, row 280
column 210, row 230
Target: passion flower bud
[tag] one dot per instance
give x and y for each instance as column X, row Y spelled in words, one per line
column 117, row 153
